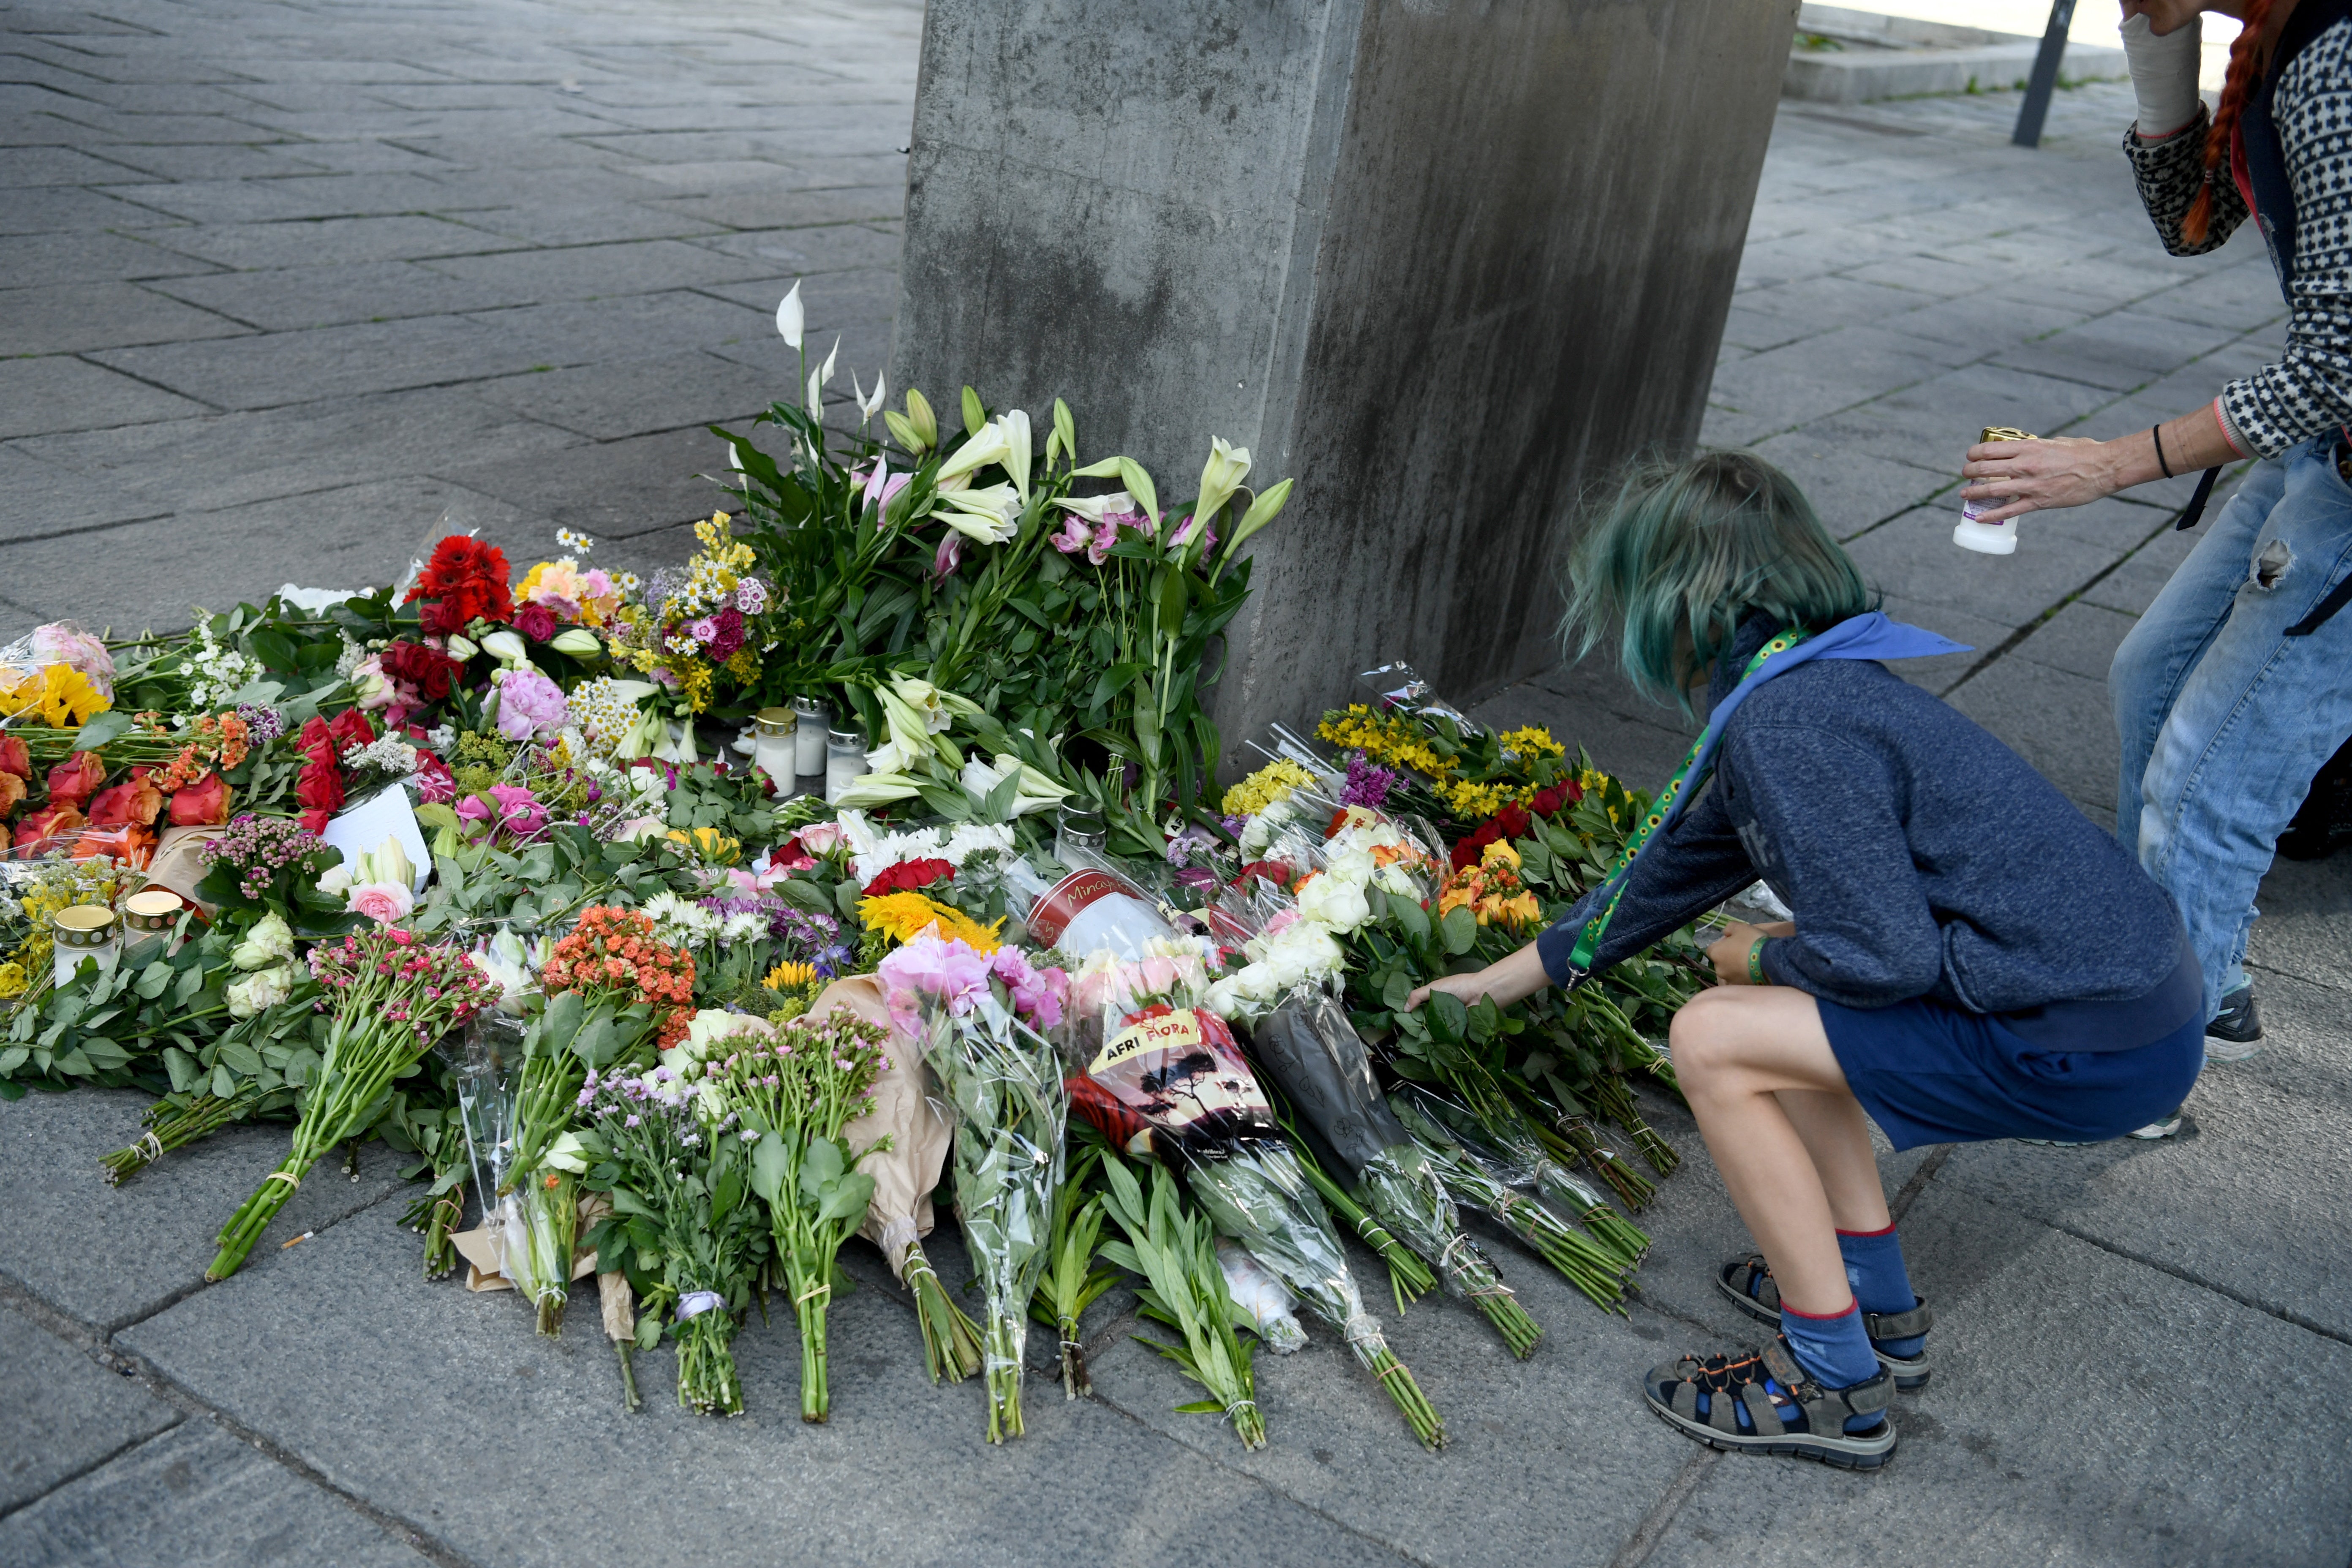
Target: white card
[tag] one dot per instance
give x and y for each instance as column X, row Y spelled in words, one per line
column 356, row 830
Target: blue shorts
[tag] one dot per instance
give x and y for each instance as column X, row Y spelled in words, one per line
column 1930, row 1073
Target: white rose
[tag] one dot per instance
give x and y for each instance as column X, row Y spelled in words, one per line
column 337, row 879
column 259, row 991
column 1334, row 901
column 271, row 941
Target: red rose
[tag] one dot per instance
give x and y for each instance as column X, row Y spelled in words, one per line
column 351, row 728
column 907, row 876
column 440, row 620
column 536, row 622
column 75, row 779
column 318, row 790
column 52, row 821
column 13, row 759
column 205, row 802
column 316, row 741
column 132, row 801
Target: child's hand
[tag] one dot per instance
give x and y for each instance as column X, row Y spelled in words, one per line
column 1729, row 953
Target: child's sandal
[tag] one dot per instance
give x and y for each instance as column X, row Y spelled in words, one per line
column 1747, row 1281
column 1764, row 1403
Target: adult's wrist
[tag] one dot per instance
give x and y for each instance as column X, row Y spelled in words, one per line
column 2163, row 71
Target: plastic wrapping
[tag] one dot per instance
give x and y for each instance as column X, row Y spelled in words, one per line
column 1320, row 1064
column 1516, row 1159
column 1003, row 1088
column 1260, row 1297
column 1397, row 686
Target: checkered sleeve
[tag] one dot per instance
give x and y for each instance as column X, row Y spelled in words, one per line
column 2309, row 391
column 2168, row 172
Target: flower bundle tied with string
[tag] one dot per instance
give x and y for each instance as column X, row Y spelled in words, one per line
column 798, row 1093
column 390, row 996
column 614, row 995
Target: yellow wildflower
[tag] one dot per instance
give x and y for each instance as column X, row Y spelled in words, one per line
column 1535, row 740
column 1276, row 781
column 12, row 979
column 694, row 684
column 708, row 845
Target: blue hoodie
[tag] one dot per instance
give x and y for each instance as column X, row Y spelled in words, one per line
column 1919, row 856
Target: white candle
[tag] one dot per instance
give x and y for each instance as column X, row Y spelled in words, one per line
column 808, row 738
column 844, row 762
column 775, row 748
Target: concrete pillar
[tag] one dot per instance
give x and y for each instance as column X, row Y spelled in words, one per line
column 1444, row 262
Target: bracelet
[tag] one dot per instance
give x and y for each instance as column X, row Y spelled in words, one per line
column 1756, row 975
column 2155, row 434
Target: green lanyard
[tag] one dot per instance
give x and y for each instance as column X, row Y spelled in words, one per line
column 1689, row 776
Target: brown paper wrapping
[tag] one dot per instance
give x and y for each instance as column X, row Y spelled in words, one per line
column 904, row 1173
column 486, row 1260
column 179, row 862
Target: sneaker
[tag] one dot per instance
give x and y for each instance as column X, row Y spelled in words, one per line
column 2236, row 1032
column 2164, row 1126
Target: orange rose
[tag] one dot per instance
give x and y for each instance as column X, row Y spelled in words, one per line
column 201, row 803
column 75, row 779
column 15, row 761
column 52, row 821
column 135, row 800
column 12, row 792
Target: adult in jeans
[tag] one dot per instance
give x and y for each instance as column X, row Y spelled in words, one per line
column 2236, row 686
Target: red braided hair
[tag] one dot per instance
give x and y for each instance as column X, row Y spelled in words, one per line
column 2244, row 59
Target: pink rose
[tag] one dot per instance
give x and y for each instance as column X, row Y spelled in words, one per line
column 821, row 837
column 383, row 902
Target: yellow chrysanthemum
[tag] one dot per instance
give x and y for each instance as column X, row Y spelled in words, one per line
column 905, row 916
column 788, row 977
column 12, row 979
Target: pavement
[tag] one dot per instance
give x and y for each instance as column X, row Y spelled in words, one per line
column 287, row 285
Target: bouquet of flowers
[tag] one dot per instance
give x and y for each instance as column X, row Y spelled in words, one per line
column 1169, row 1078
column 973, row 1013
column 1519, row 1160
column 908, row 1140
column 1313, row 1053
column 681, row 1181
column 392, row 997
column 797, row 1094
column 610, row 988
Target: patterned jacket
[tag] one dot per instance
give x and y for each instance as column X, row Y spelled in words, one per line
column 2309, row 391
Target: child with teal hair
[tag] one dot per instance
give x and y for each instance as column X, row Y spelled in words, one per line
column 1970, row 958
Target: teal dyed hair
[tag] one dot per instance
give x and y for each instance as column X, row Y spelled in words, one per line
column 1683, row 549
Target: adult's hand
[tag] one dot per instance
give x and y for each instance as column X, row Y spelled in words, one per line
column 2018, row 477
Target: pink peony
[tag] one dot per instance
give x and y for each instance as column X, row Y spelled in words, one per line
column 383, row 902
column 530, row 704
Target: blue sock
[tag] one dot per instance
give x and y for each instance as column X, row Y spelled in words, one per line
column 1834, row 1349
column 1873, row 1267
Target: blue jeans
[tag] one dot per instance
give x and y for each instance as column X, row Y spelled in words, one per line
column 2224, row 719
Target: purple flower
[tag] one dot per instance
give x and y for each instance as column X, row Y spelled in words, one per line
column 750, row 595
column 1368, row 784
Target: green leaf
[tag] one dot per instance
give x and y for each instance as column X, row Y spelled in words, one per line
column 1449, row 1020
column 240, row 1060
column 111, row 725
column 153, row 979
column 223, row 1085
column 849, row 1197
column 1461, row 929
column 770, row 1167
column 1413, row 918
column 1397, row 992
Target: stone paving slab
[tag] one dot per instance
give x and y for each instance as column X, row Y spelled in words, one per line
column 196, row 1498
column 368, row 1356
column 61, row 1414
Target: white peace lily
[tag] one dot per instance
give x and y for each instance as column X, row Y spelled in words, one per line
column 791, row 318
column 868, row 409
column 824, row 372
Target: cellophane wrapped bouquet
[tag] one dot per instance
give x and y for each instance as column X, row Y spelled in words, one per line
column 973, row 1013
column 1318, row 1060
column 1165, row 1076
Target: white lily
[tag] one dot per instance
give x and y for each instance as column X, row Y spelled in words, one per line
column 1035, row 792
column 508, row 648
column 577, row 641
column 566, row 1154
column 1221, row 476
column 875, row 789
column 791, row 319
column 1095, row 508
column 990, row 516
column 1014, row 423
column 988, row 446
column 462, row 649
